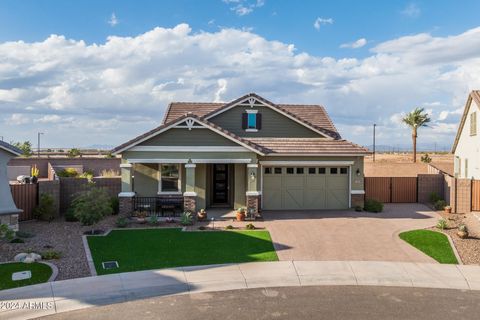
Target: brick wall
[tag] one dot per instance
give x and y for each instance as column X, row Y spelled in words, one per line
column 464, row 195
column 358, row 200
column 429, row 183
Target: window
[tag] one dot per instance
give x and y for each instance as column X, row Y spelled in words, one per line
column 322, row 170
column 473, row 123
column 312, row 170
column 343, row 170
column 299, row 170
column 251, row 120
column 278, row 170
column 169, row 178
column 466, row 168
column 333, row 170
column 268, row 171
column 289, row 170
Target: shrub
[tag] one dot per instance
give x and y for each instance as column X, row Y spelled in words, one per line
column 109, row 173
column 462, row 228
column 358, row 208
column 24, row 234
column 201, row 228
column 87, row 174
column 186, row 219
column 426, row 158
column 372, row 205
column 439, row 205
column 74, row 152
column 91, row 206
column 250, row 226
column 153, row 219
column 229, row 227
column 115, row 204
column 45, row 210
column 67, row 173
column 434, row 197
column 442, row 224
column 121, row 222
column 70, row 215
column 51, row 254
column 17, row 240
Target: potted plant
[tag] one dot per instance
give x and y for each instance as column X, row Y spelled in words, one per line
column 447, row 209
column 202, row 215
column 462, row 231
column 34, row 173
column 240, row 214
column 141, row 215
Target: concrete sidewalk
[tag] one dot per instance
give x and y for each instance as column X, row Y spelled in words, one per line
column 61, row 296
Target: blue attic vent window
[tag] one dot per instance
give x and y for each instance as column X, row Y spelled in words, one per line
column 252, row 121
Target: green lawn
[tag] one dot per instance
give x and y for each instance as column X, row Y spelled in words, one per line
column 432, row 243
column 40, row 273
column 166, row 248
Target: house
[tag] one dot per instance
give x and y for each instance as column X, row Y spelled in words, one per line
column 467, row 142
column 8, row 210
column 249, row 152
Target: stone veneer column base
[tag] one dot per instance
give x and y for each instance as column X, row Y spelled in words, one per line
column 253, row 204
column 358, row 200
column 189, row 203
column 125, row 205
column 11, row 220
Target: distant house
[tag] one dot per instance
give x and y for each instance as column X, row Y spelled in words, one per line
column 466, row 146
column 249, row 152
column 8, row 210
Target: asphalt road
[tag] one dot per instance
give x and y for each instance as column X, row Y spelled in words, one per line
column 339, row 302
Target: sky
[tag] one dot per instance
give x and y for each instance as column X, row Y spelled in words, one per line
column 98, row 73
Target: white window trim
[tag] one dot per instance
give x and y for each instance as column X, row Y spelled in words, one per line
column 251, row 111
column 160, row 192
column 251, row 130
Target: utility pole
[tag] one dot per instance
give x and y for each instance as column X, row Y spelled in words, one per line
column 38, row 143
column 374, row 125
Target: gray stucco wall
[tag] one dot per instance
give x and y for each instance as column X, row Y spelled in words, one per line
column 185, row 137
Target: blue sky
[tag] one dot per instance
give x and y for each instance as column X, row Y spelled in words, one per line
column 367, row 61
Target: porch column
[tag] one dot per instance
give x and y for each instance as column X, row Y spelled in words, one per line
column 253, row 194
column 125, row 198
column 190, row 196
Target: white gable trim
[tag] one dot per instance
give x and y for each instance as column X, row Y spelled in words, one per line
column 173, row 125
column 463, row 120
column 10, row 150
column 247, row 102
column 191, row 148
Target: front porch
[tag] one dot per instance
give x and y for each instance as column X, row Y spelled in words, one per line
column 170, row 187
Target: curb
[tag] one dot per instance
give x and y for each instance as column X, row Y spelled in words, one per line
column 88, row 255
column 454, row 249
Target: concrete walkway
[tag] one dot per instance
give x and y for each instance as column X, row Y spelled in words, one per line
column 61, row 296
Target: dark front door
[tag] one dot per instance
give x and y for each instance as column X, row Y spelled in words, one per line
column 220, row 184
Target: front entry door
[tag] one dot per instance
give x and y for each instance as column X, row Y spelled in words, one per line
column 220, row 184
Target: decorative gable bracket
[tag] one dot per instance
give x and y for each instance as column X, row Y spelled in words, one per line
column 190, row 123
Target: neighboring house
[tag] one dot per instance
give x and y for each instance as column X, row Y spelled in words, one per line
column 8, row 210
column 246, row 153
column 467, row 142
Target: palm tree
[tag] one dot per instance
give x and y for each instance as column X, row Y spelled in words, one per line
column 416, row 119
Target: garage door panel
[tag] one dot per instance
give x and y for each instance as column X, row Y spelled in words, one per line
column 272, row 199
column 314, row 199
column 293, row 181
column 315, row 181
column 293, row 199
column 337, row 199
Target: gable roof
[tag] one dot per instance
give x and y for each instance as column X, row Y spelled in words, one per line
column 473, row 96
column 227, row 134
column 11, row 149
column 312, row 116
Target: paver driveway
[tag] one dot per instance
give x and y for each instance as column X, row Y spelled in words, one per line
column 349, row 235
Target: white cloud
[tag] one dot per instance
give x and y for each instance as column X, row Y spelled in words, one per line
column 321, row 22
column 411, row 10
column 244, row 7
column 356, row 44
column 113, row 21
column 109, row 92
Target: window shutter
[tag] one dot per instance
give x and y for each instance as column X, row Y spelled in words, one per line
column 259, row 121
column 244, row 120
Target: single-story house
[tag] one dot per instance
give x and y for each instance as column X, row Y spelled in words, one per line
column 249, row 152
column 8, row 210
column 466, row 146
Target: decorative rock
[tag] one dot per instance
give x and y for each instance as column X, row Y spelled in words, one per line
column 27, row 257
column 35, row 256
column 28, row 260
column 20, row 257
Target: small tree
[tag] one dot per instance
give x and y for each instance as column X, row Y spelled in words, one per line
column 6, row 233
column 74, row 152
column 91, row 206
column 45, row 210
column 25, row 146
column 416, row 119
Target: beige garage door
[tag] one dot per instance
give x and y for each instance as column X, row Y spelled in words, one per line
column 305, row 188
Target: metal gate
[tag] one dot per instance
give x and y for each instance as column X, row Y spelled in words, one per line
column 391, row 189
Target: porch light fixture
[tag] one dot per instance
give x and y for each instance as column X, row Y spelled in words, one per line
column 252, row 176
column 358, row 172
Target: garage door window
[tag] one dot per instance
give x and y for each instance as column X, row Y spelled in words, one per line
column 278, row 170
column 322, row 170
column 268, row 171
column 312, row 170
column 299, row 170
column 333, row 170
column 289, row 170
column 343, row 170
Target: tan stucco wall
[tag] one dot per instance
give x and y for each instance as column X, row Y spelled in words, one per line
column 146, row 179
column 240, row 186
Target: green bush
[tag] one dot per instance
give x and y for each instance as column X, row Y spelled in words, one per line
column 115, row 204
column 51, row 254
column 87, row 174
column 45, row 210
column 358, row 208
column 250, row 226
column 17, row 240
column 442, row 224
column 229, row 227
column 186, row 219
column 70, row 215
column 6, row 232
column 426, row 158
column 372, row 205
column 121, row 222
column 67, row 173
column 24, row 234
column 439, row 205
column 74, row 152
column 91, row 206
column 153, row 219
column 434, row 197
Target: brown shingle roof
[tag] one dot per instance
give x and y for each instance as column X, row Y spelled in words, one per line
column 312, row 115
column 307, row 146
